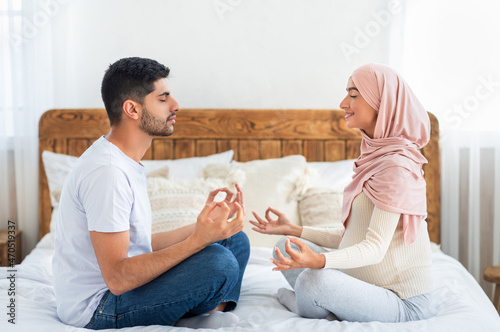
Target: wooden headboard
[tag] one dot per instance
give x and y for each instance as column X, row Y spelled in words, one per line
column 319, row 135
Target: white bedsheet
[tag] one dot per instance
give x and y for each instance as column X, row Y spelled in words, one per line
column 462, row 305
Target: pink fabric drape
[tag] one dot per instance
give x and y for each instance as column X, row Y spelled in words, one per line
column 389, row 169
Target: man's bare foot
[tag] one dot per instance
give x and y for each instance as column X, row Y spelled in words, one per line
column 220, row 307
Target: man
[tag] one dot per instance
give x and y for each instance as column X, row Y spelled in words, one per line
column 109, row 271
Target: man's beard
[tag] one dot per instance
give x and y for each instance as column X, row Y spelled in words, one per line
column 154, row 125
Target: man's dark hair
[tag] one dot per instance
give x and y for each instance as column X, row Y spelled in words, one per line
column 129, row 78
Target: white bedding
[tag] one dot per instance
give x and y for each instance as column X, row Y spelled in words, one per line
column 462, row 305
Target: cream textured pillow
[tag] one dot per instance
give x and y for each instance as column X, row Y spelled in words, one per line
column 321, row 207
column 178, row 202
column 271, row 182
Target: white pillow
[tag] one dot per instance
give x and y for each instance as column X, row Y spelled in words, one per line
column 57, row 167
column 186, row 168
column 271, row 182
column 335, row 175
column 321, row 207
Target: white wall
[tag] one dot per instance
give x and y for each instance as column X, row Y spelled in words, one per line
column 222, row 53
column 453, row 60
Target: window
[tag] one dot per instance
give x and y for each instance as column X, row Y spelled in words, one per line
column 10, row 64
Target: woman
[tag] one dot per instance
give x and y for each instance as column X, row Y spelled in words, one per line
column 381, row 270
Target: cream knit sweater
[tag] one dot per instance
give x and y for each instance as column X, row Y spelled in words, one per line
column 372, row 249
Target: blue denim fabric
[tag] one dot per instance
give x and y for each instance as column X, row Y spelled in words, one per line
column 195, row 286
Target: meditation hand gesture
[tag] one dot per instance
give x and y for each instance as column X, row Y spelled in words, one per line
column 304, row 258
column 213, row 225
column 228, row 200
column 280, row 226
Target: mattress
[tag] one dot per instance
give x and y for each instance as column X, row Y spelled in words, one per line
column 462, row 304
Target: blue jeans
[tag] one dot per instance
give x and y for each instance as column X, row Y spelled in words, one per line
column 195, row 286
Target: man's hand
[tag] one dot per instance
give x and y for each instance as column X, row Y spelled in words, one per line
column 228, row 200
column 210, row 229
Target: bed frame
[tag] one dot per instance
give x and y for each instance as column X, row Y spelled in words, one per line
column 319, row 135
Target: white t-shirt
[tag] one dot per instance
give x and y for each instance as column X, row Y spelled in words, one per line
column 105, row 192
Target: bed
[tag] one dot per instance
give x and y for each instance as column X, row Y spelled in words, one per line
column 279, row 140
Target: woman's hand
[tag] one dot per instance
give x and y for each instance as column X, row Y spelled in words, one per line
column 304, row 258
column 228, row 200
column 280, row 225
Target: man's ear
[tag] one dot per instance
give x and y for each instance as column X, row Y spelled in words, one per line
column 132, row 109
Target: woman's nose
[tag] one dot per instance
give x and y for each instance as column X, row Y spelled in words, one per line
column 344, row 104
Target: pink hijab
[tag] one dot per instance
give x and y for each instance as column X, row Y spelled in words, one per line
column 389, row 169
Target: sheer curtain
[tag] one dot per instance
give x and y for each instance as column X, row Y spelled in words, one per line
column 451, row 59
column 25, row 93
